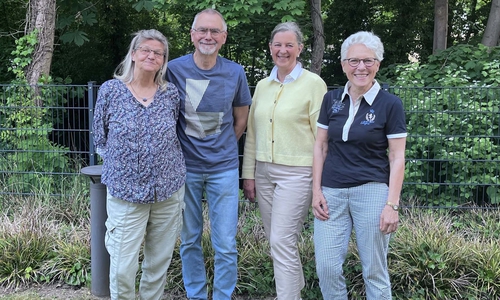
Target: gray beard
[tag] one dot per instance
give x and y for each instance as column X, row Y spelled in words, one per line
column 206, row 51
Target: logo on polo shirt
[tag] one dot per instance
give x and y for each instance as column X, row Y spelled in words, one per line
column 337, row 106
column 370, row 118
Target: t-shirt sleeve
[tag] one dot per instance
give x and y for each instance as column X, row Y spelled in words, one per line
column 243, row 97
column 396, row 122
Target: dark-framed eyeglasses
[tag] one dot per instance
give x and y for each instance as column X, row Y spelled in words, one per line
column 214, row 32
column 354, row 62
column 146, row 51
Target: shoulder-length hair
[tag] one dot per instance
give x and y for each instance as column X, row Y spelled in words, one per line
column 125, row 70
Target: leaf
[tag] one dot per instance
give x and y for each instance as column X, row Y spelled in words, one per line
column 89, row 18
column 470, row 65
column 77, row 37
column 493, row 194
column 144, row 4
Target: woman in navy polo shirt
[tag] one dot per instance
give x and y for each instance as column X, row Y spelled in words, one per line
column 358, row 171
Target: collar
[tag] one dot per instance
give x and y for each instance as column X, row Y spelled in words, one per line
column 368, row 96
column 294, row 75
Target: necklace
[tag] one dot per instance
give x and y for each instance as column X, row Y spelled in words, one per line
column 144, row 99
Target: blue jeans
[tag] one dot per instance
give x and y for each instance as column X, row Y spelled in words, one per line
column 221, row 191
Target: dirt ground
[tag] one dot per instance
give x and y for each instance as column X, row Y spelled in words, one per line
column 54, row 292
column 50, row 292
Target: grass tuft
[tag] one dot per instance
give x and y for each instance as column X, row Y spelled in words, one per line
column 435, row 254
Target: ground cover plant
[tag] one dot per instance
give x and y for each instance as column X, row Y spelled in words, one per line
column 435, row 254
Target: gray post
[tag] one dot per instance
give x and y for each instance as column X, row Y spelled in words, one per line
column 99, row 257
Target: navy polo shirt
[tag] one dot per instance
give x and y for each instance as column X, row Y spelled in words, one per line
column 358, row 143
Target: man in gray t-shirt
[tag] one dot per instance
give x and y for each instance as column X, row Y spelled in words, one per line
column 214, row 109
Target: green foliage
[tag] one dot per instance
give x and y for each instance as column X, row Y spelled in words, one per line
column 25, row 110
column 25, row 243
column 72, row 264
column 25, row 46
column 38, row 246
column 73, row 15
column 77, row 37
column 432, row 259
column 22, row 259
column 108, row 42
column 460, row 65
column 255, row 268
column 433, row 255
column 452, row 106
column 142, row 4
column 11, row 27
column 236, row 11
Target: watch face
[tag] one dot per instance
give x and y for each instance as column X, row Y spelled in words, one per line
column 394, row 206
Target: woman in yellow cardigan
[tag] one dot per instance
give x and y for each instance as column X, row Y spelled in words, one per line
column 277, row 162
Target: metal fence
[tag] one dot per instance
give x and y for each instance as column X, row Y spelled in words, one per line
column 452, row 157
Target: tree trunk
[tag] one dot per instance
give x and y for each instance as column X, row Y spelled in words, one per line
column 41, row 16
column 472, row 18
column 440, row 25
column 492, row 32
column 318, row 47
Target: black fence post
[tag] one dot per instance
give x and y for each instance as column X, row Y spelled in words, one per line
column 92, row 96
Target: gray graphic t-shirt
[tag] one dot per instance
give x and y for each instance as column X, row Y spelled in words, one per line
column 205, row 125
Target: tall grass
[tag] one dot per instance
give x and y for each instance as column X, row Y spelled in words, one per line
column 433, row 255
column 44, row 239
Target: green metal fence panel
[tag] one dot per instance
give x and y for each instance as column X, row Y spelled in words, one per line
column 452, row 146
column 452, row 155
column 44, row 138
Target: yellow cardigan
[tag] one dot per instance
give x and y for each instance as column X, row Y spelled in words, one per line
column 281, row 126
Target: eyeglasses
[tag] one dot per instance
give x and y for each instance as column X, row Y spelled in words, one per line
column 214, row 32
column 146, row 51
column 354, row 62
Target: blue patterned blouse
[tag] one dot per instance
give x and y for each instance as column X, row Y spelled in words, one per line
column 143, row 160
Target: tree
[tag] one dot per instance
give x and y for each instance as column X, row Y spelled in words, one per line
column 318, row 46
column 239, row 14
column 440, row 25
column 41, row 18
column 492, row 32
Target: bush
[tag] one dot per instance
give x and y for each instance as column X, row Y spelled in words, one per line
column 28, row 111
column 38, row 245
column 441, row 254
column 452, row 105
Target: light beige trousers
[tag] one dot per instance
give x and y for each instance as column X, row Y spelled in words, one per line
column 284, row 195
column 128, row 224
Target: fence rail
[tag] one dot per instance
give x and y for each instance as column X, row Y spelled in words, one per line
column 452, row 157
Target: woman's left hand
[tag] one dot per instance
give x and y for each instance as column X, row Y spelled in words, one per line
column 249, row 189
column 389, row 220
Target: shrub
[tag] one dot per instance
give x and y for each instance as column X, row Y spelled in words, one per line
column 429, row 259
column 452, row 105
column 27, row 110
column 441, row 254
column 26, row 242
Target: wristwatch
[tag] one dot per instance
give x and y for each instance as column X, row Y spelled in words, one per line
column 394, row 206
